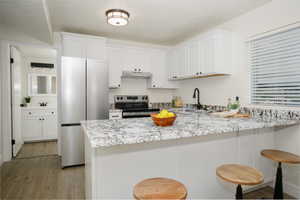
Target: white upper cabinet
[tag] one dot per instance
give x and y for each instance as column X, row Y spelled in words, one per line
column 138, row 59
column 96, row 48
column 172, row 63
column 159, row 70
column 83, row 46
column 206, row 55
column 135, row 60
column 115, row 63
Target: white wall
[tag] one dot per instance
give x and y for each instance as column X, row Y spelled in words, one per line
column 216, row 90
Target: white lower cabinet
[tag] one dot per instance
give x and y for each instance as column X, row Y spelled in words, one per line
column 39, row 124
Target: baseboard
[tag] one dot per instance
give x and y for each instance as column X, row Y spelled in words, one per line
column 291, row 189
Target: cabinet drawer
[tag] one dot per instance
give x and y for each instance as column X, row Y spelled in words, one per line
column 36, row 114
column 115, row 115
column 50, row 112
column 30, row 113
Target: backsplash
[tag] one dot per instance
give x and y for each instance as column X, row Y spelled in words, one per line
column 265, row 114
column 269, row 114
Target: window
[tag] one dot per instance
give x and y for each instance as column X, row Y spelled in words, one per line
column 275, row 69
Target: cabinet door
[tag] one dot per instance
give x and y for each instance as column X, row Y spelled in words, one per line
column 172, row 64
column 208, row 55
column 115, row 63
column 128, row 58
column 32, row 129
column 136, row 60
column 49, row 127
column 181, row 56
column 195, row 68
column 73, row 47
column 158, row 69
column 95, row 48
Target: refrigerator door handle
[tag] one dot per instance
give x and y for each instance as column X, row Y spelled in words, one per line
column 71, row 124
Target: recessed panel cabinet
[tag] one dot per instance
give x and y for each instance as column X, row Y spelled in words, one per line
column 135, row 60
column 83, row 46
column 159, row 70
column 205, row 55
column 39, row 124
column 115, row 63
column 138, row 60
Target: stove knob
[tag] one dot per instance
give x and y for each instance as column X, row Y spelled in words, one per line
column 121, row 98
column 146, row 98
column 118, row 98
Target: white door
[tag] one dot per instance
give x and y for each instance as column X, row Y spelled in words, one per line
column 16, row 95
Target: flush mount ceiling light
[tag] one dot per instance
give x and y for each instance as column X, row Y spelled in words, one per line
column 117, row 17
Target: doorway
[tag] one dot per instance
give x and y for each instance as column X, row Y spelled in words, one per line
column 33, row 101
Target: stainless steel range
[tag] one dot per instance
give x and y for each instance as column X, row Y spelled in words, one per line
column 134, row 106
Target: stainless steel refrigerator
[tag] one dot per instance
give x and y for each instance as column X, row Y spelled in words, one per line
column 84, row 96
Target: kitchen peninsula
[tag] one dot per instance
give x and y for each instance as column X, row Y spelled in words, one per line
column 120, row 153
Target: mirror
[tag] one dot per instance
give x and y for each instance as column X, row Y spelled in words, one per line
column 41, row 85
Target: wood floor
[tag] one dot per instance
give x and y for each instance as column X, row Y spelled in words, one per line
column 264, row 193
column 37, row 149
column 42, row 178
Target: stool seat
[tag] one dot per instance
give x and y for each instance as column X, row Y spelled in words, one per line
column 160, row 188
column 240, row 174
column 281, row 156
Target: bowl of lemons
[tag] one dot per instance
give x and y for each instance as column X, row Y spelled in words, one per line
column 164, row 118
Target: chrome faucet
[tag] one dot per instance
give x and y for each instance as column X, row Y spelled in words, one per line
column 197, row 92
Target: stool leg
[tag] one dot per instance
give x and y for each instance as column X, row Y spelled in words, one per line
column 239, row 192
column 278, row 193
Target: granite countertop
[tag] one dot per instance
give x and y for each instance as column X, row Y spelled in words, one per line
column 106, row 133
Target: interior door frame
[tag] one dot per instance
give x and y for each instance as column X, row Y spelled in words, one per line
column 11, row 98
column 6, row 112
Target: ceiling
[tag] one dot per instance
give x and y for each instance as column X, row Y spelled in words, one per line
column 26, row 16
column 153, row 21
column 38, row 52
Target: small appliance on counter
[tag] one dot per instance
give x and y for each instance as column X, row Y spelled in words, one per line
column 134, row 106
column 177, row 102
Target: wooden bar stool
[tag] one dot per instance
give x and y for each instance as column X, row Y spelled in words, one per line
column 159, row 188
column 280, row 157
column 241, row 175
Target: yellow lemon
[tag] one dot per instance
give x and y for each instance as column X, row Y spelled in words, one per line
column 170, row 114
column 163, row 112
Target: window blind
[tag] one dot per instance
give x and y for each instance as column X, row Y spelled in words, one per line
column 275, row 68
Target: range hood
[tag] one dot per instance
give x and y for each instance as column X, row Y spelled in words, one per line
column 131, row 74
